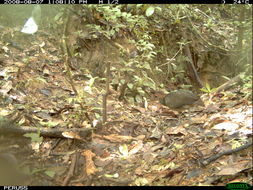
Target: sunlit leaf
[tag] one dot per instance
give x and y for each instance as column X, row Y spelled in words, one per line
column 150, row 11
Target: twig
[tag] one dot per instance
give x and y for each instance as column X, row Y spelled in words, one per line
column 71, row 170
column 45, row 132
column 190, row 62
column 106, row 92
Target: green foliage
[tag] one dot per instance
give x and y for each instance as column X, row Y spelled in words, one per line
column 138, row 66
column 49, row 124
column 247, row 82
column 208, row 89
column 150, row 10
column 247, row 87
column 156, row 32
column 35, row 137
column 50, row 173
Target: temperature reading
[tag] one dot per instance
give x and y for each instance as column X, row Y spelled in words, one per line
column 241, row 1
column 237, row 2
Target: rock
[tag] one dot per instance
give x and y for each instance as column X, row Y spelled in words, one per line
column 179, row 98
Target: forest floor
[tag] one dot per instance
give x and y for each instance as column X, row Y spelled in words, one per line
column 137, row 146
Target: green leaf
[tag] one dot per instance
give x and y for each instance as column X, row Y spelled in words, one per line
column 50, row 173
column 116, row 175
column 140, row 91
column 178, row 146
column 97, row 115
column 149, row 84
column 58, row 16
column 159, row 8
column 208, row 87
column 49, row 123
column 138, row 98
column 150, row 11
column 41, row 79
column 123, row 150
column 35, row 137
column 91, row 81
column 147, row 66
column 204, row 90
column 130, row 85
column 131, row 100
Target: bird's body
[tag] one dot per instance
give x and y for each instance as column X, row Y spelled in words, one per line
column 178, row 99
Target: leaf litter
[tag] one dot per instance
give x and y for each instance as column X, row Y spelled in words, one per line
column 137, row 146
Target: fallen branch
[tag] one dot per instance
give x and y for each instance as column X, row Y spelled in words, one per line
column 229, row 83
column 45, row 132
column 207, row 161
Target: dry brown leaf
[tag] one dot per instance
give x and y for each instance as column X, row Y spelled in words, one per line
column 167, row 112
column 90, row 166
column 211, row 108
column 139, row 109
column 46, row 71
column 155, row 108
column 176, row 130
column 6, row 87
column 139, row 170
column 233, row 168
column 19, row 64
column 136, row 147
column 117, row 138
column 199, row 120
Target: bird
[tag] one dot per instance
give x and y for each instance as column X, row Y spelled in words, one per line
column 179, row 99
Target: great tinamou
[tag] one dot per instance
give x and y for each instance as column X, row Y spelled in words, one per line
column 178, row 99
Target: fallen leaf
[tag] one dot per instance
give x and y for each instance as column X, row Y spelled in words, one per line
column 233, row 168
column 90, row 166
column 136, row 147
column 139, row 109
column 228, row 126
column 118, row 138
column 6, row 87
column 180, row 130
